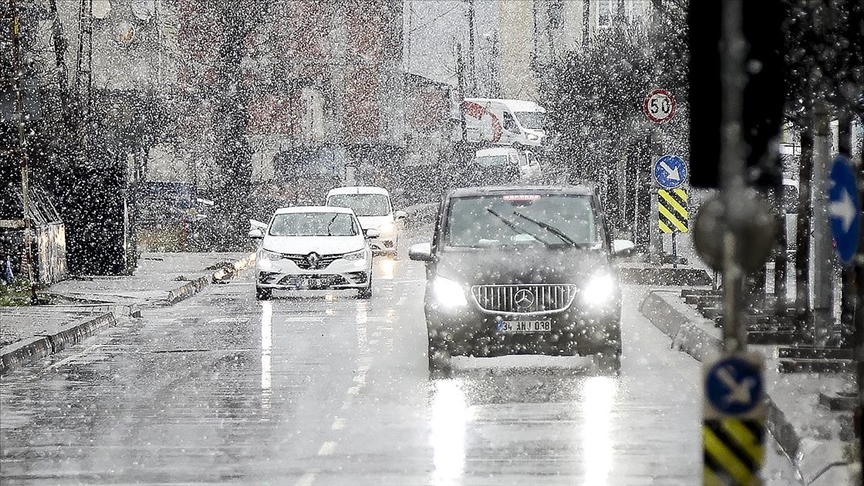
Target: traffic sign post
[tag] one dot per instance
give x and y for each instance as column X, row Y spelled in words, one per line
column 844, row 209
column 670, row 171
column 659, row 106
column 733, row 428
column 673, row 216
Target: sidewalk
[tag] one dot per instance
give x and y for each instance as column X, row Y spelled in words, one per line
column 820, row 442
column 85, row 306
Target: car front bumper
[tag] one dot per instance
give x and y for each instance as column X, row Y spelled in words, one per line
column 340, row 274
column 471, row 332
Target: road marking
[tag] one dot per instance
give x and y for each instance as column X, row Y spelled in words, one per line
column 338, row 424
column 327, row 448
column 307, row 479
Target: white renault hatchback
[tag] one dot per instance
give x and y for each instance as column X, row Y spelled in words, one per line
column 313, row 248
column 374, row 209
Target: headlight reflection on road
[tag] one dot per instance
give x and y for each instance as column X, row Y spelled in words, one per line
column 598, row 396
column 450, row 415
column 387, row 269
column 266, row 346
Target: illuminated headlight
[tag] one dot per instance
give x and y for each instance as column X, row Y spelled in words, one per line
column 448, row 293
column 531, row 136
column 355, row 255
column 599, row 291
column 387, row 228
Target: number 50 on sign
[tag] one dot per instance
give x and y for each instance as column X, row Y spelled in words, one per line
column 659, row 106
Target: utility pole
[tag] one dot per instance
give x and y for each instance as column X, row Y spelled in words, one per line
column 17, row 73
column 472, row 67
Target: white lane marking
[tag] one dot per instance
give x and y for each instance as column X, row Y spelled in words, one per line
column 327, row 448
column 338, row 424
column 72, row 358
column 307, row 479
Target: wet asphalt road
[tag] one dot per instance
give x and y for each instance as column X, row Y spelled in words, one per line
column 325, row 389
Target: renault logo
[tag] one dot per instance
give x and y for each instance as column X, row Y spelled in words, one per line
column 524, row 298
column 312, row 259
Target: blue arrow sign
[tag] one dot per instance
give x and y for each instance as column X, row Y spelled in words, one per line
column 844, row 209
column 670, row 171
column 734, row 386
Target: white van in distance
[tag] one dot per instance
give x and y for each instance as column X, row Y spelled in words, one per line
column 374, row 209
column 504, row 122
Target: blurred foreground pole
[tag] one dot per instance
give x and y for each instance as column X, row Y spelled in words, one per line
column 823, row 248
column 802, row 245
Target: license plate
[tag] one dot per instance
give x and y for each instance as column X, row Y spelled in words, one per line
column 525, row 327
column 311, row 283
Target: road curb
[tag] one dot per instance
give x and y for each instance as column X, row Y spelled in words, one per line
column 40, row 346
column 681, row 277
column 819, row 463
column 223, row 275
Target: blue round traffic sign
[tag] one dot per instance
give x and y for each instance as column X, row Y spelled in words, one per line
column 670, row 171
column 734, row 386
column 844, row 209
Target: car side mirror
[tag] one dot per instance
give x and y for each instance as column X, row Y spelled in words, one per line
column 371, row 233
column 623, row 248
column 400, row 215
column 256, row 233
column 421, row 252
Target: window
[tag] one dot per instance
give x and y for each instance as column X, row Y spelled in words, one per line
column 510, row 123
column 313, row 224
column 362, row 204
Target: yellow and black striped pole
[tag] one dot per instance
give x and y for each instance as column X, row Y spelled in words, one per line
column 733, row 428
column 672, row 208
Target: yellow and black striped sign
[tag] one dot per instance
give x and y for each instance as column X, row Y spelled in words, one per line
column 733, row 451
column 672, row 206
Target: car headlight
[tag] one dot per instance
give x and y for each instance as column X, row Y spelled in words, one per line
column 387, row 228
column 355, row 255
column 599, row 291
column 268, row 255
column 448, row 293
column 531, row 136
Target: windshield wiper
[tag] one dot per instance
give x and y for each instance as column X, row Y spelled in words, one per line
column 515, row 227
column 552, row 229
column 330, row 223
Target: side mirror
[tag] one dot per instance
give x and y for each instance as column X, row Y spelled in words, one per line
column 371, row 233
column 256, row 233
column 623, row 248
column 400, row 215
column 421, row 252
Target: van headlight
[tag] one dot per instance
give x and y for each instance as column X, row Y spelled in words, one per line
column 448, row 293
column 599, row 291
column 387, row 229
column 355, row 255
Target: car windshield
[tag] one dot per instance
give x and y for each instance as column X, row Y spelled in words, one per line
column 520, row 219
column 532, row 120
column 362, row 204
column 492, row 160
column 313, row 224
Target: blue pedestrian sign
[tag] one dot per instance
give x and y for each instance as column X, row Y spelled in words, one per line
column 670, row 171
column 844, row 209
column 733, row 386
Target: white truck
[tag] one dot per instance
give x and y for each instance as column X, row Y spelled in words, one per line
column 503, row 122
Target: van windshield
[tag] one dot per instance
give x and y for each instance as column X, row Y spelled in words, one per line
column 491, row 160
column 532, row 120
column 362, row 204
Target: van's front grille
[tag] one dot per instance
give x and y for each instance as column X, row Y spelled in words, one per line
column 524, row 298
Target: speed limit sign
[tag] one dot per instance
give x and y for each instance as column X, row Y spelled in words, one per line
column 659, row 106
